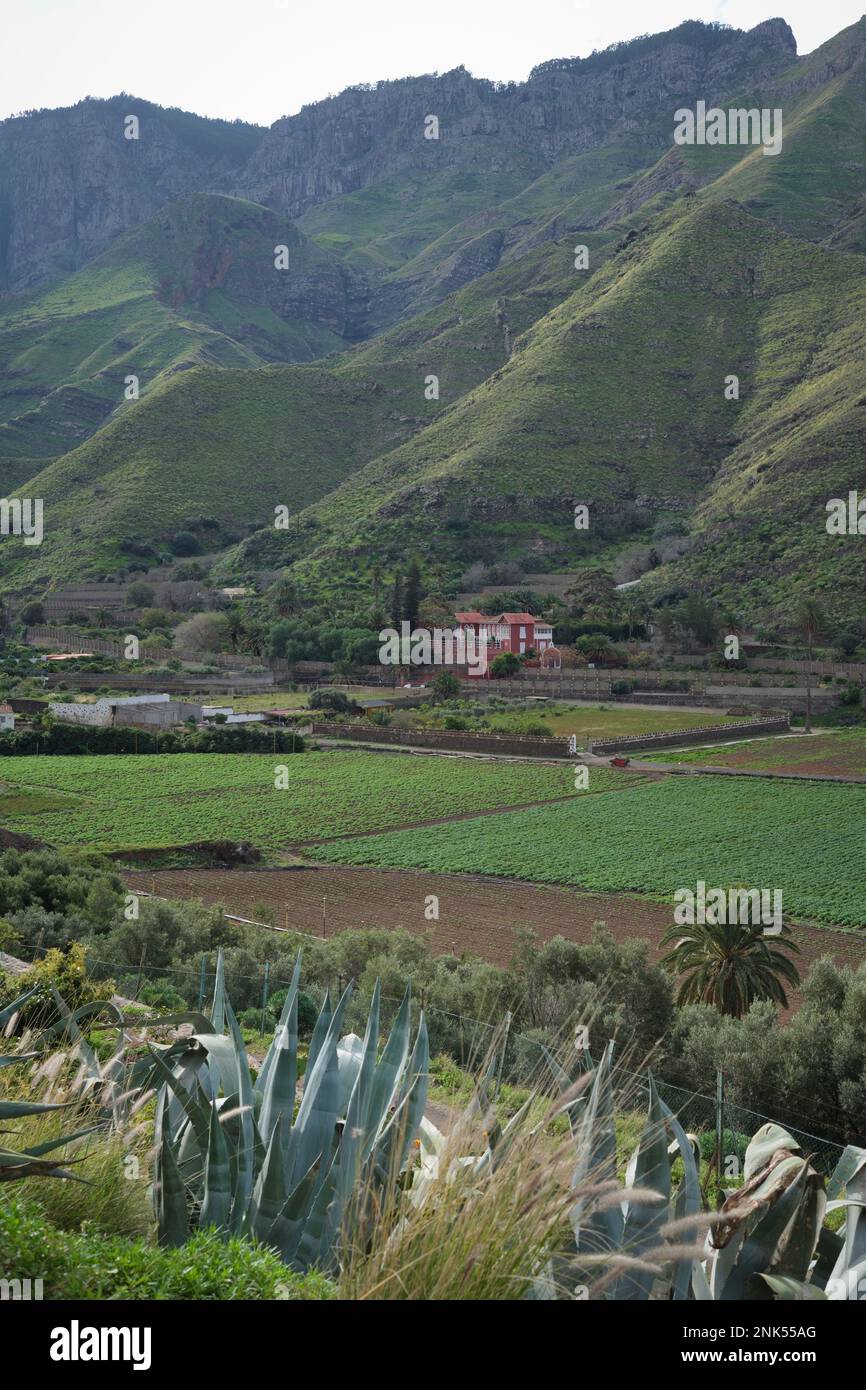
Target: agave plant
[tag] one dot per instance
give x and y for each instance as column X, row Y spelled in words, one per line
column 768, row 1239
column 242, row 1156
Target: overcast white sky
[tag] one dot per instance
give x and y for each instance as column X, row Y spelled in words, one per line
column 261, row 59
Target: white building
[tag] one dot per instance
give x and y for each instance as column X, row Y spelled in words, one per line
column 7, row 718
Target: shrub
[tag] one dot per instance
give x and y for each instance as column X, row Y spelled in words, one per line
column 63, row 971
column 504, row 665
column 162, row 995
column 308, row 1010
column 252, row 1018
column 139, row 595
column 333, row 700
column 91, row 1266
column 203, row 632
column 32, row 614
column 446, row 686
column 185, row 543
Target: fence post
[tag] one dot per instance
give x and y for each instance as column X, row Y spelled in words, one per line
column 720, row 1123
column 201, row 983
column 140, row 969
column 265, row 994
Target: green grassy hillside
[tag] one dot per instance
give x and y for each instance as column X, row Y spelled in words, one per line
column 227, row 444
column 616, row 398
column 304, row 429
column 195, row 286
column 815, row 187
column 556, row 384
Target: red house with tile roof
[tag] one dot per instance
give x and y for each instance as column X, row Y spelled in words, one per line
column 507, row 632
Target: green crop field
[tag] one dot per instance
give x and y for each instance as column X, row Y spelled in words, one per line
column 128, row 802
column 806, row 839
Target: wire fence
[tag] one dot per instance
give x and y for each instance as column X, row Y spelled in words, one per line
column 723, row 1127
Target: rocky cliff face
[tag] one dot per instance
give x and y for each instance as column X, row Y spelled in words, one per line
column 565, row 107
column 70, row 181
column 206, row 242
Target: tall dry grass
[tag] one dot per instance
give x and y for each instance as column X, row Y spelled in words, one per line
column 111, row 1167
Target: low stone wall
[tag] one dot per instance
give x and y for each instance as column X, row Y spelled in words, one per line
column 659, row 697
column 682, row 738
column 93, row 680
column 27, row 706
column 772, row 697
column 458, row 741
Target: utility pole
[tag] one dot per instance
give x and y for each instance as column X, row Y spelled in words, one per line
column 140, row 969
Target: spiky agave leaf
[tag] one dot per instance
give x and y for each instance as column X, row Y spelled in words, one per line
column 286, row 1031
column 217, row 1197
column 596, row 1230
column 649, row 1170
column 10, row 1010
column 170, row 1197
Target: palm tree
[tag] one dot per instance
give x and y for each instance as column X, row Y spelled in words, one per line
column 595, row 646
column 811, row 623
column 635, row 610
column 730, row 966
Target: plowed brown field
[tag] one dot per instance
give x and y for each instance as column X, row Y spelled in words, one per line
column 477, row 915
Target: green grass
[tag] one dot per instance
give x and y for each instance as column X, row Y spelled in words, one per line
column 129, row 802
column 89, row 1265
column 606, row 721
column 31, row 803
column 803, row 838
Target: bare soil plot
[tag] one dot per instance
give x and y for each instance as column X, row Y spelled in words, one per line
column 836, row 753
column 477, row 915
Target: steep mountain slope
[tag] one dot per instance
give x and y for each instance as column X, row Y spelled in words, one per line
column 821, row 173
column 310, row 427
column 512, row 163
column 617, row 399
column 196, row 285
column 816, row 186
column 227, row 444
column 477, row 382
column 70, row 180
column 471, row 334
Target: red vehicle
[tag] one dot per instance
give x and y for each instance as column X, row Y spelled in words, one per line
column 620, row 762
